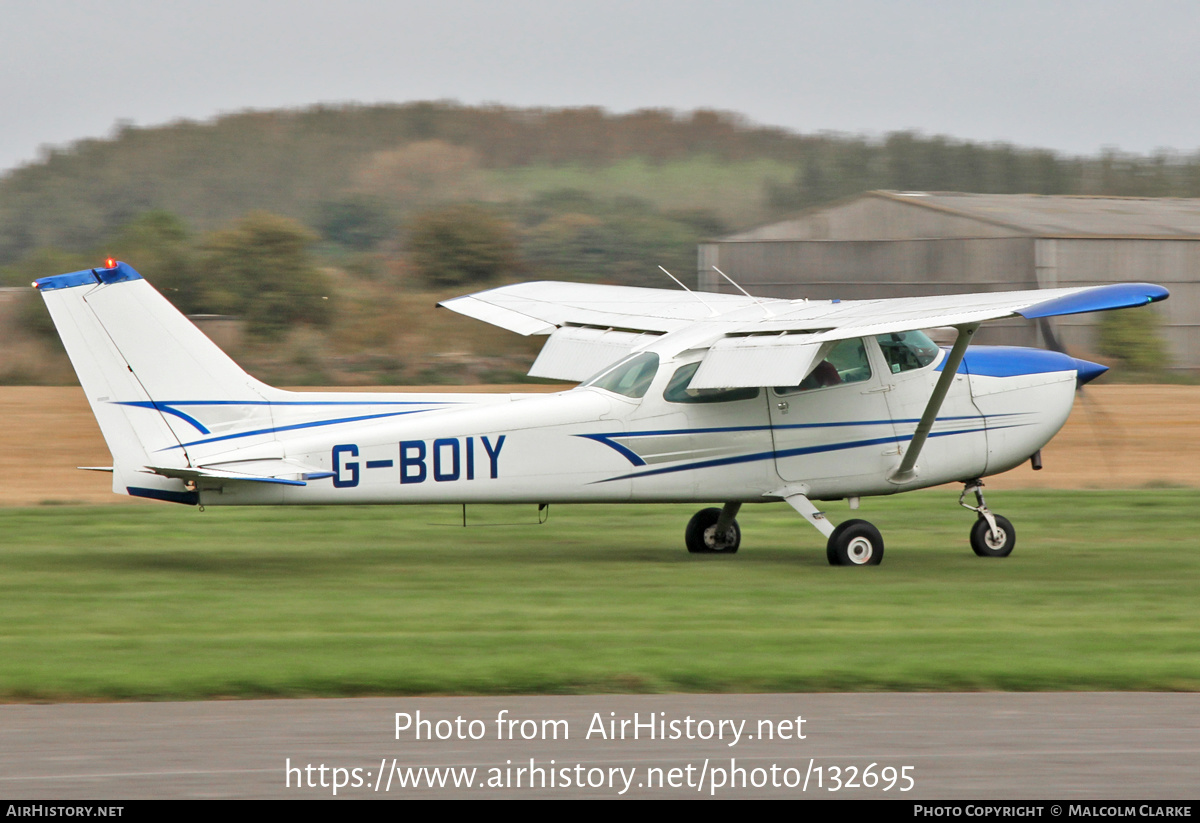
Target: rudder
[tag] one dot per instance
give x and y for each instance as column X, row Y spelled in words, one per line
column 140, row 363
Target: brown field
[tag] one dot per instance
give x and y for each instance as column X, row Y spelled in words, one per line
column 1119, row 436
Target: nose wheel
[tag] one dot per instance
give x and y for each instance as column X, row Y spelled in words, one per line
column 992, row 535
column 997, row 542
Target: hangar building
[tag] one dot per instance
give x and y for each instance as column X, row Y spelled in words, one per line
column 893, row 244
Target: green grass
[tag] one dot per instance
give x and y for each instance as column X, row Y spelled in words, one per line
column 163, row 602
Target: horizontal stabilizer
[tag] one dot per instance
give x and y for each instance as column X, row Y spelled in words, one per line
column 262, row 471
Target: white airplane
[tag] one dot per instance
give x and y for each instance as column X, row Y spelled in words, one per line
column 685, row 397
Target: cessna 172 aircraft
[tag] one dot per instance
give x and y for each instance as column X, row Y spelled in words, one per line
column 684, row 397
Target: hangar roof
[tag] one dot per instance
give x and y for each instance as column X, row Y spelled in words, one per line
column 1055, row 215
column 1014, row 214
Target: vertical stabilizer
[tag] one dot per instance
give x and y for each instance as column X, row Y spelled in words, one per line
column 142, row 364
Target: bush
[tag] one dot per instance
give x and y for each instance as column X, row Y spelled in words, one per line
column 1132, row 339
column 357, row 223
column 461, row 246
column 262, row 270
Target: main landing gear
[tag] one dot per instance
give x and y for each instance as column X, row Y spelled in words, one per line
column 855, row 543
column 714, row 531
column 852, row 543
column 992, row 535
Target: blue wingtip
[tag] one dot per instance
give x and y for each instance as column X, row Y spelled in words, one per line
column 1100, row 298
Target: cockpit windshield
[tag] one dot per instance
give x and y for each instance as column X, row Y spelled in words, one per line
column 631, row 377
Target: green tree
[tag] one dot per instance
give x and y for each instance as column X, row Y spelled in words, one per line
column 461, row 246
column 30, row 314
column 44, row 262
column 158, row 245
column 1132, row 338
column 357, row 222
column 262, row 270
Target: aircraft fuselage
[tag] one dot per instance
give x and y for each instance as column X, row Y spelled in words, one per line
column 593, row 445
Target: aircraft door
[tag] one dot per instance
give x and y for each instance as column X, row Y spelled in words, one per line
column 957, row 445
column 834, row 431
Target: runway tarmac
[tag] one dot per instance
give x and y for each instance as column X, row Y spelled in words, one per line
column 1076, row 746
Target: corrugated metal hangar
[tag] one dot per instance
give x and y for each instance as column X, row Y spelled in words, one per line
column 893, row 244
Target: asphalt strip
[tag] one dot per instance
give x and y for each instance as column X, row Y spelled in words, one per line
column 823, row 746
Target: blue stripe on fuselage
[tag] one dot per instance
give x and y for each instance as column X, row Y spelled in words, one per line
column 608, row 438
column 169, row 406
column 293, row 427
column 775, row 455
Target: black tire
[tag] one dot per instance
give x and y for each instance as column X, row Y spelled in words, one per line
column 700, row 534
column 855, row 543
column 983, row 543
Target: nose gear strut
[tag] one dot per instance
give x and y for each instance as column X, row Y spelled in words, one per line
column 992, row 535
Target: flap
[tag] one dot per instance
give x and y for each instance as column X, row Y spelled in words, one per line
column 757, row 360
column 576, row 353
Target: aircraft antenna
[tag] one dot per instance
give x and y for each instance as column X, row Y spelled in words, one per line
column 689, row 291
column 766, row 311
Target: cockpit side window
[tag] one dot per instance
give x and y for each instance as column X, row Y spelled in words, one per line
column 677, row 390
column 908, row 350
column 845, row 363
column 631, row 377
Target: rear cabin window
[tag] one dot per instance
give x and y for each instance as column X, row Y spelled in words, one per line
column 908, row 350
column 678, row 392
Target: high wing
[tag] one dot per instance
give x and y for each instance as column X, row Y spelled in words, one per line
column 749, row 341
column 592, row 326
column 542, row 307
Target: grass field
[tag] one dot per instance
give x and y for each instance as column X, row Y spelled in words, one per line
column 163, row 602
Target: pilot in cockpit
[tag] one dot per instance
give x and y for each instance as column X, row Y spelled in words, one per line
column 825, row 374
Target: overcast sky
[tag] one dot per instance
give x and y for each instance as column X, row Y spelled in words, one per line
column 1071, row 76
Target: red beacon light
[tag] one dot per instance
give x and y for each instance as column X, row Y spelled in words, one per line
column 110, row 263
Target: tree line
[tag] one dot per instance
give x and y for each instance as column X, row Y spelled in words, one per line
column 412, row 156
column 335, row 221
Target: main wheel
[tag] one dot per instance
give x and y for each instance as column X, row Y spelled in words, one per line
column 985, row 545
column 701, row 535
column 855, row 543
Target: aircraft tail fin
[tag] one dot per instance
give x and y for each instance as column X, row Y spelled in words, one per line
column 144, row 367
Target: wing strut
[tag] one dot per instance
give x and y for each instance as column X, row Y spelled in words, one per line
column 905, row 472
